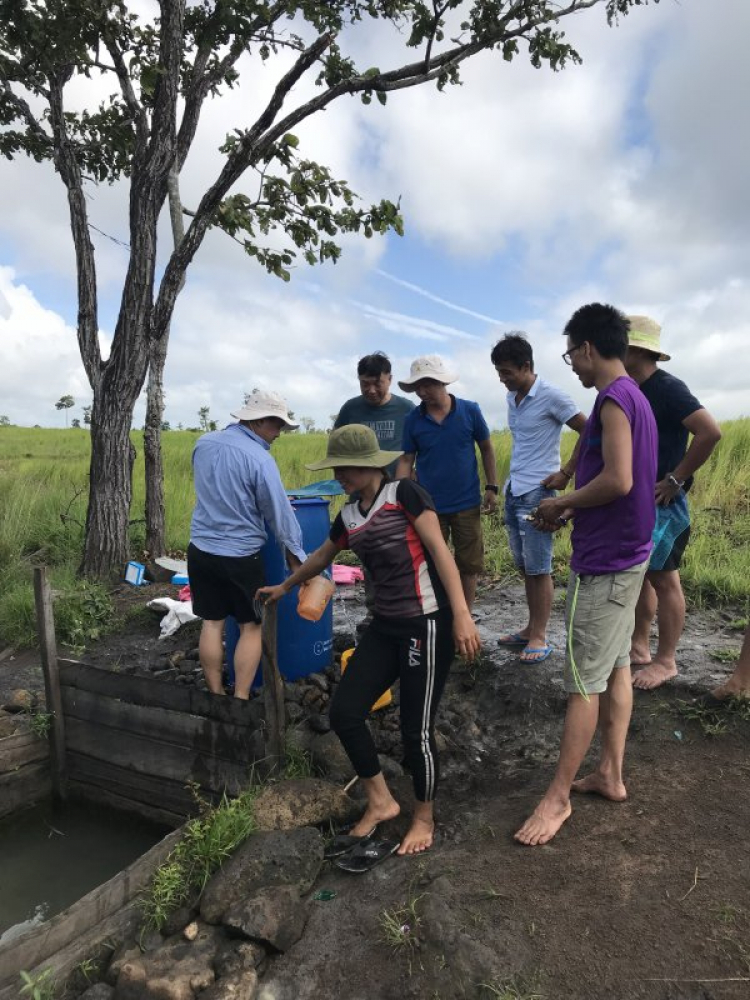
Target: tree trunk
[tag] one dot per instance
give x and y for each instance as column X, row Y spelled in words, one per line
column 156, row 533
column 106, row 545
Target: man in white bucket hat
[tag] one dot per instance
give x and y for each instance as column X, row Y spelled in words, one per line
column 678, row 414
column 439, row 435
column 238, row 488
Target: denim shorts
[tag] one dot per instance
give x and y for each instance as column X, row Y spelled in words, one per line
column 531, row 548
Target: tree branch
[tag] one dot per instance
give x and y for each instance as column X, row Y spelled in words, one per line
column 70, row 172
column 25, row 113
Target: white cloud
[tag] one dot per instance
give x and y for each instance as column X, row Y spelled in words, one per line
column 621, row 180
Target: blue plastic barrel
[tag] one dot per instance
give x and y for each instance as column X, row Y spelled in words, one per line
column 303, row 647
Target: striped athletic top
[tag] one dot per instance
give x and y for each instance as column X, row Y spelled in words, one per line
column 405, row 580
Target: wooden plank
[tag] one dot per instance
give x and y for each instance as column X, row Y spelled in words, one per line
column 115, row 929
column 151, row 756
column 273, row 693
column 118, row 800
column 45, row 624
column 161, row 694
column 144, row 788
column 196, row 733
column 24, row 787
column 38, row 945
column 27, row 750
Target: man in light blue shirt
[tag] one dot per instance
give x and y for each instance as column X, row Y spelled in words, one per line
column 238, row 489
column 537, row 414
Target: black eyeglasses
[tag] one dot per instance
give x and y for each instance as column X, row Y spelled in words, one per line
column 568, row 356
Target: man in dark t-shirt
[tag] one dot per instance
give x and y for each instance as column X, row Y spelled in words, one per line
column 678, row 414
column 377, row 407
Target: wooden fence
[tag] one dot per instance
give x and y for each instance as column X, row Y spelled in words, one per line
column 139, row 744
column 24, row 772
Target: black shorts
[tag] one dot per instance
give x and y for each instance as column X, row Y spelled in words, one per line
column 224, row 585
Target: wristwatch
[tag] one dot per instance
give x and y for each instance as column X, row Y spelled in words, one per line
column 492, row 487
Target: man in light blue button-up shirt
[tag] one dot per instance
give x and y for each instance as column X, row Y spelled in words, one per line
column 537, row 414
column 238, row 491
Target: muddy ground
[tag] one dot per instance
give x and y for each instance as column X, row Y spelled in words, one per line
column 647, row 899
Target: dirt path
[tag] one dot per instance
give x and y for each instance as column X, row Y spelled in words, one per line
column 646, row 899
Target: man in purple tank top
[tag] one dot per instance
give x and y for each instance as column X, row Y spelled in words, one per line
column 613, row 510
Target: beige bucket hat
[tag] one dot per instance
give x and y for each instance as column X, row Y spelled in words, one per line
column 356, row 445
column 264, row 403
column 428, row 366
column 646, row 333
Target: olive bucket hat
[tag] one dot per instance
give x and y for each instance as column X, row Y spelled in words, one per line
column 354, row 445
column 646, row 333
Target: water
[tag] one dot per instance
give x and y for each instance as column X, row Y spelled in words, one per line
column 51, row 856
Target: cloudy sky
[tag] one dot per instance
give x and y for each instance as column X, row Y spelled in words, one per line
column 526, row 193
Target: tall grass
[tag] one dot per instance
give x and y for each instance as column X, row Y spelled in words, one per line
column 44, row 478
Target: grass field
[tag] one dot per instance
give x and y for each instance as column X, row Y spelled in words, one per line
column 43, row 483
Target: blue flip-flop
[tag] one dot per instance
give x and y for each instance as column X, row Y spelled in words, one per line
column 512, row 639
column 538, row 654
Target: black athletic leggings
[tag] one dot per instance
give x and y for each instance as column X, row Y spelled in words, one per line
column 419, row 651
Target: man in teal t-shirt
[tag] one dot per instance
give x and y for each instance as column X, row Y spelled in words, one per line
column 376, row 407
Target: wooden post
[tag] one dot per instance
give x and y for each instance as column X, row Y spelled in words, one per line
column 273, row 693
column 45, row 623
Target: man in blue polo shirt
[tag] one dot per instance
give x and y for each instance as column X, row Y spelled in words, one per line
column 237, row 489
column 537, row 413
column 440, row 435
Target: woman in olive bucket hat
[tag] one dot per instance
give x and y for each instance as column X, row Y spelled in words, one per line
column 420, row 620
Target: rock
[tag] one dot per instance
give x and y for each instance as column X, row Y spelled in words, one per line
column 293, row 692
column 390, row 767
column 319, row 681
column 269, row 858
column 21, row 700
column 319, row 723
column 312, row 698
column 131, row 982
column 99, row 991
column 294, row 713
column 126, row 954
column 235, row 957
column 9, row 724
column 242, row 986
column 179, row 970
column 289, row 805
column 329, row 757
column 179, row 920
column 190, row 933
column 176, row 658
column 275, row 916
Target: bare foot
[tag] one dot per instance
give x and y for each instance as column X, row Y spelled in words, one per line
column 418, row 837
column 640, row 656
column 653, row 676
column 543, row 823
column 598, row 784
column 373, row 815
column 732, row 689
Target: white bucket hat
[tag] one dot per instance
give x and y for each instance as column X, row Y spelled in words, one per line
column 646, row 333
column 262, row 403
column 428, row 366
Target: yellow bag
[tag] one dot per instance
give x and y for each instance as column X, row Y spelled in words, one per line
column 385, row 699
